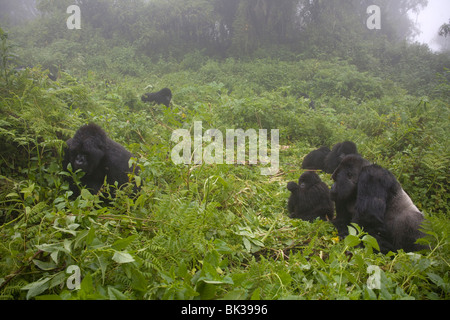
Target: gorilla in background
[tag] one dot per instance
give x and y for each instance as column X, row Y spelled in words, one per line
column 98, row 157
column 315, row 160
column 338, row 152
column 164, row 96
column 310, row 198
column 372, row 197
column 312, row 104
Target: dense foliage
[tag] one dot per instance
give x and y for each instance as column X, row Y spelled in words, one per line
column 212, row 231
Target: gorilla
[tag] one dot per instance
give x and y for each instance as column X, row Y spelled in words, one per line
column 98, row 157
column 315, row 160
column 338, row 152
column 370, row 196
column 164, row 96
column 312, row 104
column 310, row 198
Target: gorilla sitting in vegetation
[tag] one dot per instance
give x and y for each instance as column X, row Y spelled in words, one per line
column 164, row 96
column 312, row 104
column 310, row 198
column 338, row 152
column 315, row 160
column 370, row 196
column 326, row 160
column 99, row 157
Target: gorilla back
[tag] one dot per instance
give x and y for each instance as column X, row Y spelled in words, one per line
column 163, row 96
column 98, row 157
column 315, row 160
column 310, row 198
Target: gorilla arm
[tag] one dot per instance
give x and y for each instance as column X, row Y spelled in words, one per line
column 374, row 186
column 293, row 199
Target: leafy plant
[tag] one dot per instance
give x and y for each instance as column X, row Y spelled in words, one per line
column 204, row 231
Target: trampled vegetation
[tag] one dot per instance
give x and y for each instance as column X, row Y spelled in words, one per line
column 213, row 231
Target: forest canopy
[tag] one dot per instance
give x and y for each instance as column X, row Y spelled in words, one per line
column 227, row 27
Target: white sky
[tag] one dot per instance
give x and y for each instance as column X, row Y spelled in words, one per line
column 431, row 18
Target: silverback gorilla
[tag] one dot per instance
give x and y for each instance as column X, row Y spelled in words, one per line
column 164, row 96
column 370, row 196
column 310, row 198
column 98, row 157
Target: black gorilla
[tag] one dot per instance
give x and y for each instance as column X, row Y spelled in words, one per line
column 338, row 152
column 98, row 157
column 312, row 104
column 315, row 160
column 310, row 198
column 370, row 196
column 164, row 96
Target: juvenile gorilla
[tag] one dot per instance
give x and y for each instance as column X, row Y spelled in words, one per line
column 164, row 96
column 310, row 198
column 98, row 157
column 338, row 152
column 372, row 197
column 315, row 160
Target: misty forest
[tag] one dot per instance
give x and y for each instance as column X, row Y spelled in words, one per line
column 85, row 77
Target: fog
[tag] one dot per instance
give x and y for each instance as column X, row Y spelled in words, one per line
column 430, row 19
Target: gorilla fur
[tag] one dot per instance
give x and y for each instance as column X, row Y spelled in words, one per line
column 98, row 157
column 310, row 198
column 370, row 196
column 315, row 160
column 338, row 152
column 164, row 96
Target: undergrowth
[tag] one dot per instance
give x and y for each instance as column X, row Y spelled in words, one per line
column 213, row 231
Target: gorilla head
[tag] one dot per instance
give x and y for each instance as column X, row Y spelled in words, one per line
column 370, row 196
column 310, row 198
column 346, row 178
column 99, row 157
column 87, row 148
column 338, row 152
column 164, row 96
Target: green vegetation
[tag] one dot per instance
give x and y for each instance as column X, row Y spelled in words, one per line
column 211, row 231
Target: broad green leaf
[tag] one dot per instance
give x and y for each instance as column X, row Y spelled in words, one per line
column 87, row 286
column 138, row 281
column 206, row 290
column 367, row 239
column 352, row 241
column 122, row 257
column 256, row 295
column 115, row 294
column 44, row 265
column 237, row 294
column 247, row 245
column 90, row 236
column 103, row 263
column 57, row 279
column 37, row 287
column 123, row 243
